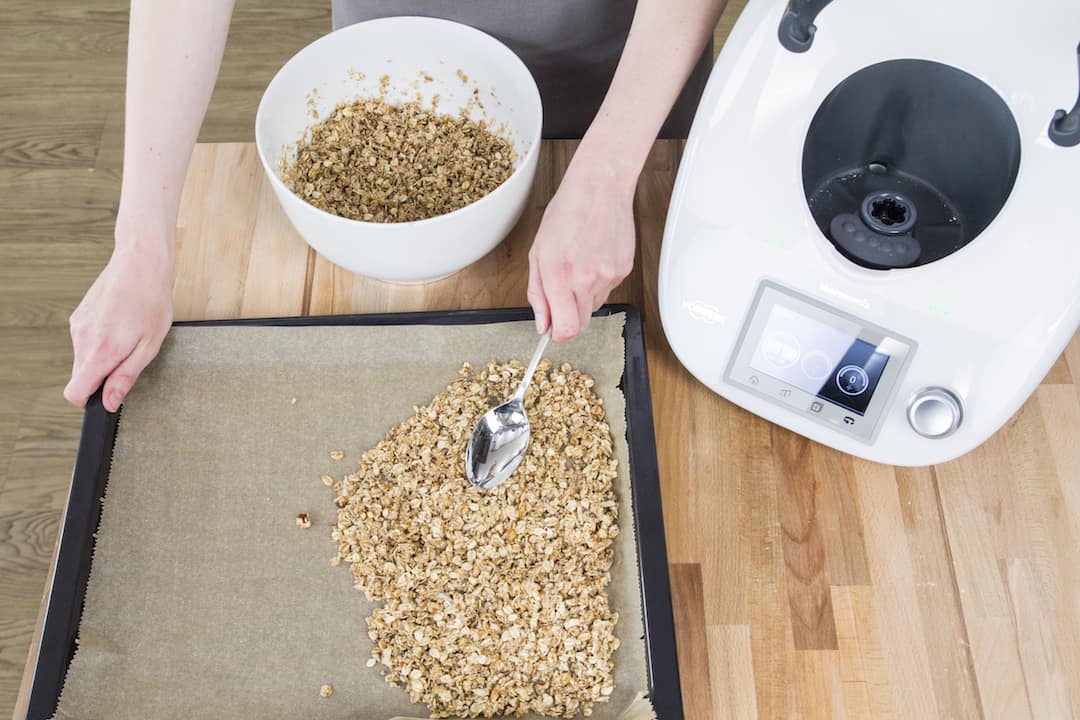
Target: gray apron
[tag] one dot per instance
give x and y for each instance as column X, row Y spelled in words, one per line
column 571, row 47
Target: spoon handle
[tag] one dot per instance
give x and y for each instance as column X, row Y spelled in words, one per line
column 520, row 394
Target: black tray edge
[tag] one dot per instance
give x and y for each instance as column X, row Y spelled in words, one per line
column 664, row 684
column 83, row 511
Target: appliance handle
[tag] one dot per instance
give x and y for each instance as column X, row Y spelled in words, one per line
column 797, row 27
column 1065, row 127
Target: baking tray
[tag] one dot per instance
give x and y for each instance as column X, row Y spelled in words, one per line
column 91, row 474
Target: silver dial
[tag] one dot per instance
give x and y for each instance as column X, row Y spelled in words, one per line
column 935, row 412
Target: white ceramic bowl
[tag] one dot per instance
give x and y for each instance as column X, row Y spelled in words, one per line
column 349, row 63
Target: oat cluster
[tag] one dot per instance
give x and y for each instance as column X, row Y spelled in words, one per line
column 378, row 162
column 494, row 602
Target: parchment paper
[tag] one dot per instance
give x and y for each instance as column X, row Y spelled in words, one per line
column 205, row 600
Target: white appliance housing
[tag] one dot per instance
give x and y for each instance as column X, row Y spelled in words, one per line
column 755, row 297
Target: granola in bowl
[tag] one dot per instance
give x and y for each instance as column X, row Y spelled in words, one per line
column 380, row 162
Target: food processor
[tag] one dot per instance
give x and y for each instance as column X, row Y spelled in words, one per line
column 873, row 237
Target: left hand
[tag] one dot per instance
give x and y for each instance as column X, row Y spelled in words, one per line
column 584, row 247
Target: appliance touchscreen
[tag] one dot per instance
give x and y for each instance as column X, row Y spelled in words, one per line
column 819, row 359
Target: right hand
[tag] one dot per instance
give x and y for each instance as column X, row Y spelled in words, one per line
column 118, row 327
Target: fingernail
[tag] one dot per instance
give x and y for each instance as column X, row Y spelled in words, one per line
column 114, row 400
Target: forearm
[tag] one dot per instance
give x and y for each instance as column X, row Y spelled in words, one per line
column 665, row 42
column 174, row 52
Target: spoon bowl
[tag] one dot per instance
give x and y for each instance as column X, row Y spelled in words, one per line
column 501, row 436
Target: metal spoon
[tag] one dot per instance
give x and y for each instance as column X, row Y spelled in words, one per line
column 501, row 437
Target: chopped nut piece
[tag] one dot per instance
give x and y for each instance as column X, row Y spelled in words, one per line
column 384, row 163
column 293, row 401
column 336, row 454
column 327, row 481
column 303, row 520
column 326, row 690
column 492, row 602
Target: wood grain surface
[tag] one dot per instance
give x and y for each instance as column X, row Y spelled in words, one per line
column 806, row 583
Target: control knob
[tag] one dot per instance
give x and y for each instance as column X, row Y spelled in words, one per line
column 935, row 413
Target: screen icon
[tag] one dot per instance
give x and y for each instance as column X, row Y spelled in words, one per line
column 817, row 365
column 785, row 392
column 781, row 349
column 815, row 407
column 852, row 380
column 848, row 420
column 753, row 380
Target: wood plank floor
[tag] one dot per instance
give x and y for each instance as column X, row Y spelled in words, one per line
column 808, row 584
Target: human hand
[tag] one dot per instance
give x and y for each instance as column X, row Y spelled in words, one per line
column 584, row 247
column 118, row 327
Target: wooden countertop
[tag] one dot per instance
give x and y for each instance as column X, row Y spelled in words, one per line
column 805, row 582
